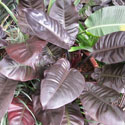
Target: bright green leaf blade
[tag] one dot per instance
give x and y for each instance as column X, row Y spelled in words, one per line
column 106, row 21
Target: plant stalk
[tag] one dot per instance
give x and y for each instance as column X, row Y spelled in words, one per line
column 9, row 11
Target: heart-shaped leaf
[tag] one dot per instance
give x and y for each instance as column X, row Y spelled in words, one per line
column 16, row 71
column 47, row 117
column 100, row 102
column 61, row 85
column 48, row 29
column 110, row 48
column 22, row 22
column 72, row 115
column 106, row 20
column 112, row 76
column 7, row 88
column 26, row 53
column 64, row 12
column 18, row 114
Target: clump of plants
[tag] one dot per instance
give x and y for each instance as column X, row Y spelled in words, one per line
column 43, row 54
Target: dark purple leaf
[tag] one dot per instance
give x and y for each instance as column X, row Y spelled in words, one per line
column 112, row 76
column 48, row 29
column 26, row 53
column 110, row 48
column 61, row 85
column 64, row 12
column 72, row 115
column 19, row 115
column 101, row 103
column 22, row 22
column 47, row 117
column 16, row 71
column 7, row 88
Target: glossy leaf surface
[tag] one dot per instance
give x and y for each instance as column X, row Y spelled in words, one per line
column 72, row 115
column 48, row 29
column 16, row 71
column 110, row 48
column 26, row 53
column 64, row 12
column 99, row 23
column 7, row 88
column 19, row 115
column 22, row 22
column 97, row 101
column 61, row 85
column 47, row 117
column 112, row 76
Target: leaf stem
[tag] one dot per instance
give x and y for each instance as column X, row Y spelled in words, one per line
column 9, row 11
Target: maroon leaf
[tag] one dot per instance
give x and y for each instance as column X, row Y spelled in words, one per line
column 65, row 13
column 72, row 115
column 110, row 48
column 22, row 22
column 16, row 71
column 112, row 76
column 101, row 103
column 7, row 88
column 26, row 53
column 48, row 29
column 47, row 117
column 61, row 85
column 19, row 115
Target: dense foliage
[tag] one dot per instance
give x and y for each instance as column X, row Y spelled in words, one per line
column 37, row 58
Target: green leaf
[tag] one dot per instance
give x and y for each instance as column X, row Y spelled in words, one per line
column 76, row 2
column 106, row 21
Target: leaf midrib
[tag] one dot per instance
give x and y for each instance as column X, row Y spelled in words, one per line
column 61, row 82
column 107, row 49
column 104, row 25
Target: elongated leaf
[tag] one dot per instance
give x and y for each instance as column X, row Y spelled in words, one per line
column 48, row 29
column 7, row 88
column 106, row 21
column 64, row 12
column 72, row 115
column 26, row 53
column 16, row 71
column 97, row 101
column 22, row 22
column 47, row 117
column 110, row 48
column 112, row 76
column 61, row 85
column 19, row 115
